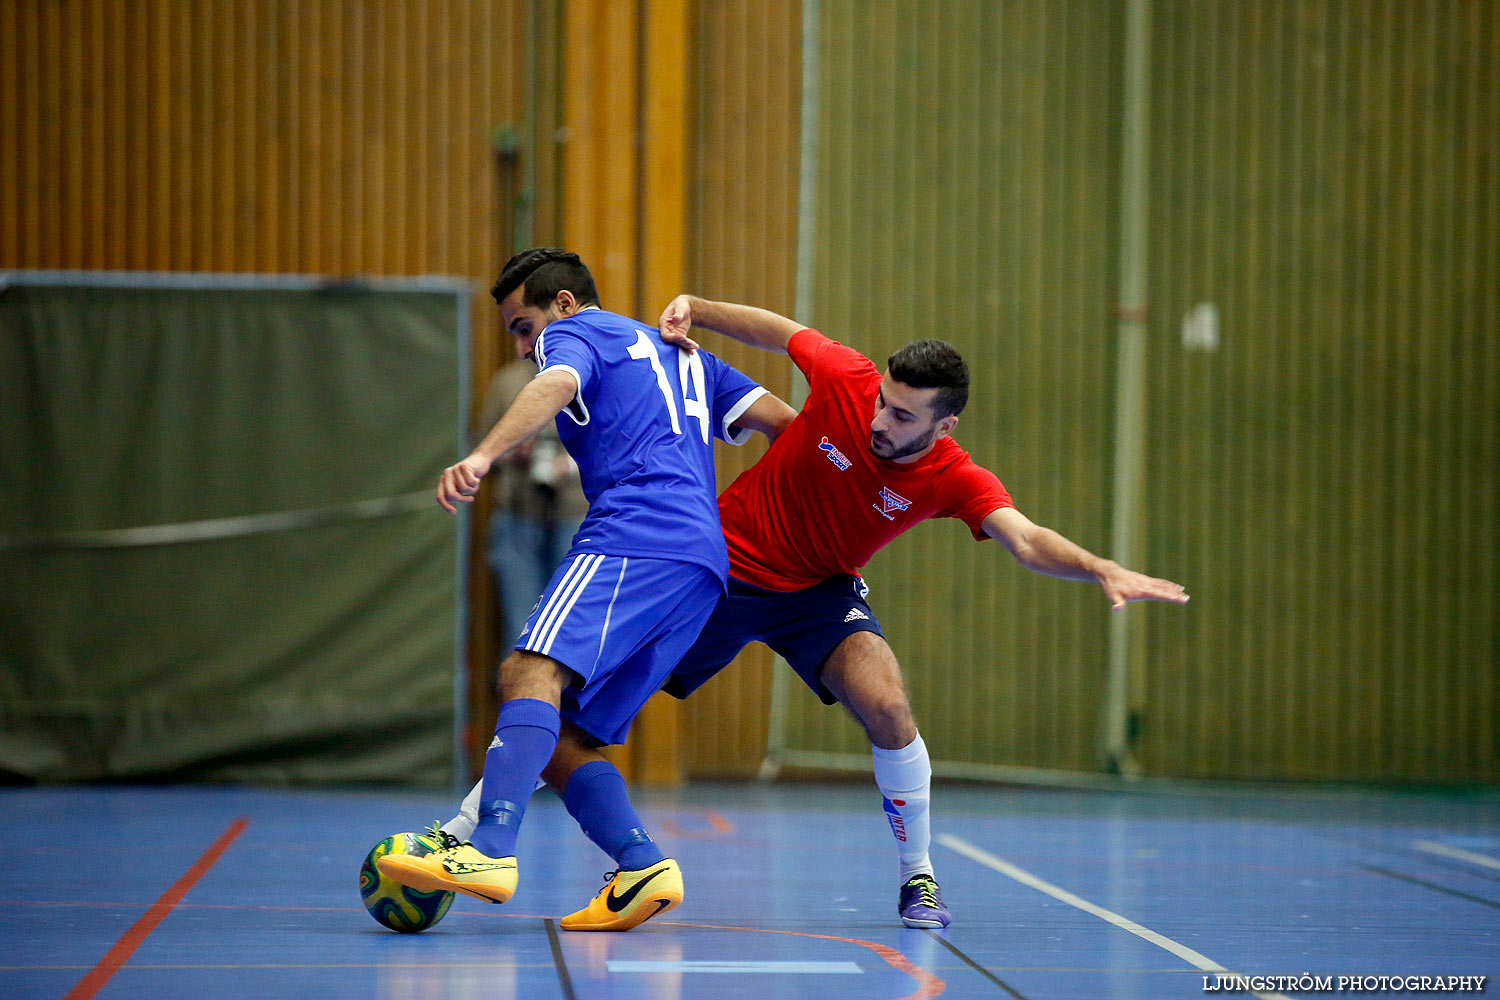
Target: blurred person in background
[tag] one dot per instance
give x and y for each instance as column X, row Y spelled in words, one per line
column 539, row 505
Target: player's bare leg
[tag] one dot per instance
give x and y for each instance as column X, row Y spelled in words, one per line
column 863, row 674
column 525, row 674
column 574, row 749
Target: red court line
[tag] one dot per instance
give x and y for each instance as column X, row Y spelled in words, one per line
column 716, row 820
column 117, row 956
column 928, row 985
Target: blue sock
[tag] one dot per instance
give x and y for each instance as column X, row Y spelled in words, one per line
column 596, row 798
column 525, row 736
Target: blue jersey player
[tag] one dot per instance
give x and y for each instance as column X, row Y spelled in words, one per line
column 644, row 573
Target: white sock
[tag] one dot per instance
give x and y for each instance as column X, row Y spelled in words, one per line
column 462, row 825
column 904, row 778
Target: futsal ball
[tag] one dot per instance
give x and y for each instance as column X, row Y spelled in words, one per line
column 390, row 902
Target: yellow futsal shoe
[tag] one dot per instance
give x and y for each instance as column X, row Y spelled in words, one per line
column 630, row 898
column 458, row 867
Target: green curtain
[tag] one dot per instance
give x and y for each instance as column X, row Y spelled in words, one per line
column 306, row 633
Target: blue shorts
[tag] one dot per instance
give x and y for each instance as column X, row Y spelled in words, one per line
column 802, row 626
column 620, row 623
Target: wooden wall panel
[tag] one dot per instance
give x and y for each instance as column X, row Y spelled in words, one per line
column 742, row 246
column 966, row 191
column 268, row 137
column 601, row 179
column 1326, row 175
column 1324, row 481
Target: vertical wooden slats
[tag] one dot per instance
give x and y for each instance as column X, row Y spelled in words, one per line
column 661, row 203
column 259, row 208
column 742, row 246
column 279, row 136
column 1358, row 298
column 421, row 140
column 175, row 119
column 69, row 121
column 96, row 140
column 114, row 86
column 664, row 142
column 1338, row 450
column 10, row 138
column 957, row 151
column 1483, row 201
column 579, row 192
column 42, row 155
column 546, row 137
column 1323, row 481
column 600, row 109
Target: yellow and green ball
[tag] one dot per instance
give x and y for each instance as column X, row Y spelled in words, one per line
column 390, row 902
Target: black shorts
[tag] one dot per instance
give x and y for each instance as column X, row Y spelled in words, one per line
column 801, row 626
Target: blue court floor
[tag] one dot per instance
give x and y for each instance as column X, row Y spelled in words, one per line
column 791, row 888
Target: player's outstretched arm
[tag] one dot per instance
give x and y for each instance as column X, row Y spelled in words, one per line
column 541, row 400
column 768, row 415
column 749, row 325
column 1043, row 550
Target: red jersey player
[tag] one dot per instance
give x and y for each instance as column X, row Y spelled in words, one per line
column 868, row 457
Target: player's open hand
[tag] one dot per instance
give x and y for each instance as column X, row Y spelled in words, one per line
column 676, row 320
column 460, row 482
column 1122, row 586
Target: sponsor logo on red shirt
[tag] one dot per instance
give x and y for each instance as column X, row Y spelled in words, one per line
column 890, row 501
column 834, row 455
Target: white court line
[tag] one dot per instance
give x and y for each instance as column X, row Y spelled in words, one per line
column 1472, row 857
column 738, row 968
column 1021, row 875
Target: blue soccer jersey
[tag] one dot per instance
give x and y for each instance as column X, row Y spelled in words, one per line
column 641, row 430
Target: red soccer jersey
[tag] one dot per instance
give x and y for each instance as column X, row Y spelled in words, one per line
column 820, row 503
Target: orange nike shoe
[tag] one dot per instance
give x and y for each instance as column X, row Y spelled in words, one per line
column 630, row 898
column 459, row 868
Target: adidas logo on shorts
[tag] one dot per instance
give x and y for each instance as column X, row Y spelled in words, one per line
column 855, row 615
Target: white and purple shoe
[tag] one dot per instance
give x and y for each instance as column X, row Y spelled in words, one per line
column 922, row 904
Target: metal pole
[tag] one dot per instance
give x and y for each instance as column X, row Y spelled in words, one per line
column 461, row 777
column 1130, row 384
column 807, row 240
column 522, row 231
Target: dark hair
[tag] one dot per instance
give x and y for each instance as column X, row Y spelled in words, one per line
column 933, row 364
column 545, row 272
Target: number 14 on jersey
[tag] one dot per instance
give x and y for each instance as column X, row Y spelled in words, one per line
column 689, row 372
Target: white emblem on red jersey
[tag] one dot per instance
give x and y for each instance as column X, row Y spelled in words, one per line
column 890, row 501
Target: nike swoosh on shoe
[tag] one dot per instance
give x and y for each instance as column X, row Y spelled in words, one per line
column 618, row 903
